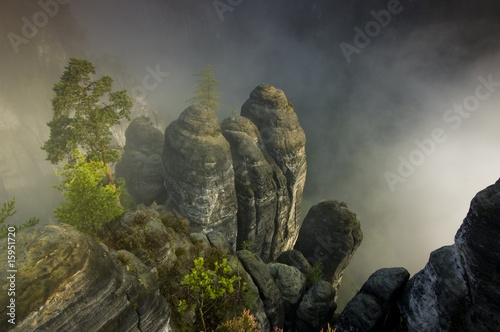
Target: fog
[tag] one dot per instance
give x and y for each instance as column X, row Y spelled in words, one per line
column 363, row 113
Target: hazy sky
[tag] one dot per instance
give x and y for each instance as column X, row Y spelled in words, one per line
column 399, row 99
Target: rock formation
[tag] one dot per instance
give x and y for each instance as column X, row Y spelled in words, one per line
column 256, row 188
column 459, row 288
column 316, row 308
column 296, row 259
column 284, row 139
column 375, row 308
column 291, row 283
column 330, row 234
column 140, row 164
column 198, row 172
column 68, row 282
column 268, row 290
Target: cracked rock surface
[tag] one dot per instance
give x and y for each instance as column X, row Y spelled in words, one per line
column 79, row 285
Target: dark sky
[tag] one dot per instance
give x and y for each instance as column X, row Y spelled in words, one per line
column 411, row 95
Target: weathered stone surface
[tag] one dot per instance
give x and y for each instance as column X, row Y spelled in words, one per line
column 478, row 243
column 458, row 290
column 295, row 258
column 255, row 186
column 291, row 283
column 198, row 172
column 68, row 282
column 284, row 139
column 252, row 294
column 375, row 308
column 140, row 164
column 435, row 296
column 316, row 308
column 268, row 290
column 330, row 234
column 218, row 240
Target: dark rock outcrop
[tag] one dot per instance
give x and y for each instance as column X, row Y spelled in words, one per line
column 140, row 164
column 295, row 258
column 478, row 243
column 459, row 288
column 268, row 290
column 436, row 296
column 330, row 234
column 284, row 139
column 316, row 308
column 375, row 308
column 68, row 282
column 198, row 172
column 291, row 283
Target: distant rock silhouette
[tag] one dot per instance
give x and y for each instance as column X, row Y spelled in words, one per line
column 140, row 164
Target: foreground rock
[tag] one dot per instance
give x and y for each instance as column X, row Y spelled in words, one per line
column 375, row 308
column 199, row 173
column 140, row 164
column 69, row 282
column 330, row 235
column 268, row 290
column 284, row 139
column 459, row 288
column 317, row 307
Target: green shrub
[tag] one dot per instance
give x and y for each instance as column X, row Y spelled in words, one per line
column 179, row 225
column 314, row 274
column 204, row 286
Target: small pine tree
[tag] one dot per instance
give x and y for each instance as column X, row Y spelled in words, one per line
column 8, row 210
column 205, row 285
column 206, row 89
column 91, row 201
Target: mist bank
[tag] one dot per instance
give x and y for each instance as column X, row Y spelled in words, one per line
column 360, row 117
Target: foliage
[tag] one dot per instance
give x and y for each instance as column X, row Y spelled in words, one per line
column 204, row 285
column 178, row 224
column 244, row 323
column 8, row 210
column 206, row 89
column 314, row 274
column 207, row 289
column 84, row 110
column 248, row 245
column 91, row 202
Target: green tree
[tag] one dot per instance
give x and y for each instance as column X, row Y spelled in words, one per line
column 205, row 285
column 206, row 89
column 8, row 210
column 91, row 201
column 84, row 110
